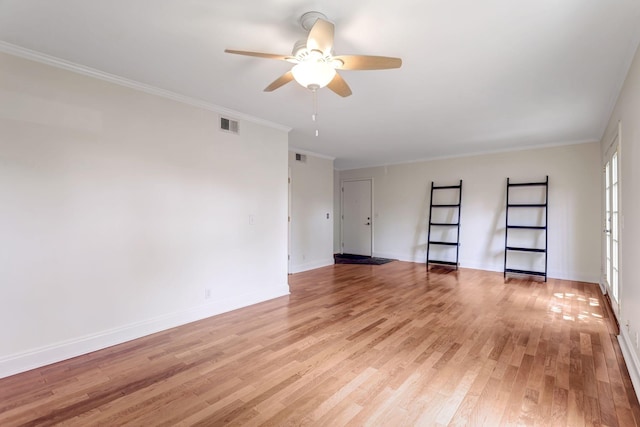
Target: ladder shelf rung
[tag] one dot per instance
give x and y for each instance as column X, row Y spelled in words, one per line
column 528, row 227
column 515, row 248
column 446, row 187
column 529, row 272
column 444, row 243
column 433, row 261
column 528, row 184
column 527, row 205
column 444, row 224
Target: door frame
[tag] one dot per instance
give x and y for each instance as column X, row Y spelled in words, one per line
column 373, row 223
column 614, row 147
column 289, row 221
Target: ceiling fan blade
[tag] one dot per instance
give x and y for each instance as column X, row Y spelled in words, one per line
column 364, row 62
column 321, row 36
column 339, row 86
column 259, row 54
column 280, row 81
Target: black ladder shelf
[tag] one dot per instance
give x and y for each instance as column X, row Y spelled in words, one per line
column 509, row 226
column 455, row 209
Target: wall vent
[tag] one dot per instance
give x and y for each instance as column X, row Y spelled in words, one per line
column 229, row 125
column 301, row 157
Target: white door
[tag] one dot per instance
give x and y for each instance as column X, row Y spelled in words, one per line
column 356, row 217
column 612, row 224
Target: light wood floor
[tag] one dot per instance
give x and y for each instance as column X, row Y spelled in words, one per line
column 357, row 345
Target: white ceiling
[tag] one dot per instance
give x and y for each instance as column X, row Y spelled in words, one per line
column 477, row 76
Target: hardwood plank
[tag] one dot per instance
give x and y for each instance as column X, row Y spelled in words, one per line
column 559, row 408
column 607, row 407
column 357, row 345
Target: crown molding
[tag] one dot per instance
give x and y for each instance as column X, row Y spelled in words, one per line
column 471, row 154
column 310, row 153
column 42, row 58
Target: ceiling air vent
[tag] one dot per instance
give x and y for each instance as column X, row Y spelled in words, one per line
column 301, row 157
column 229, row 125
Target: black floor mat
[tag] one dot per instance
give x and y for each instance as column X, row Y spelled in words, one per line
column 359, row 259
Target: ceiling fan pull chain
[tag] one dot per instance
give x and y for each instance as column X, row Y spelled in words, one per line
column 314, row 116
column 315, row 105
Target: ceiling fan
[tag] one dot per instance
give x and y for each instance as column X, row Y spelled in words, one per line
column 316, row 64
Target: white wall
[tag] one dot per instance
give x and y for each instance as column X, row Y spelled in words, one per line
column 337, row 199
column 311, row 202
column 401, row 206
column 120, row 209
column 627, row 112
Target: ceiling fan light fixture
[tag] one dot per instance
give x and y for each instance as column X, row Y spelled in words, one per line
column 313, row 74
column 315, row 63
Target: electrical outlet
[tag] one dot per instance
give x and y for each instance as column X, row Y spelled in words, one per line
column 207, row 293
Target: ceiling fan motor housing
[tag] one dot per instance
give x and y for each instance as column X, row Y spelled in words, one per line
column 308, row 19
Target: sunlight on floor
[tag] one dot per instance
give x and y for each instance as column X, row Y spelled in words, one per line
column 564, row 306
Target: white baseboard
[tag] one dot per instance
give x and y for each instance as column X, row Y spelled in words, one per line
column 576, row 276
column 630, row 358
column 603, row 288
column 35, row 358
column 485, row 267
column 398, row 256
column 564, row 275
column 299, row 268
